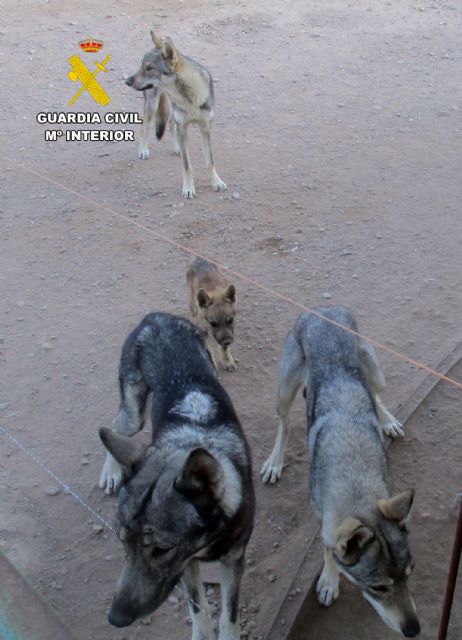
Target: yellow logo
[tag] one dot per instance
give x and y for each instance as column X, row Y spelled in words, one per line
column 88, row 80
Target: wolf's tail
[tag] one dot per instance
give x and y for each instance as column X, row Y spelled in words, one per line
column 162, row 115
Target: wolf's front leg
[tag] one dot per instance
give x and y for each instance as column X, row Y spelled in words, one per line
column 227, row 360
column 202, row 625
column 150, row 105
column 128, row 421
column 189, row 190
column 174, row 132
column 327, row 584
column 231, row 575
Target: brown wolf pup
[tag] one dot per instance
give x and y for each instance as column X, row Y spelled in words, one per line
column 213, row 307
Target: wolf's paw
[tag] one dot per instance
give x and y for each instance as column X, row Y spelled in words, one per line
column 392, row 428
column 219, row 185
column 229, row 631
column 143, row 153
column 271, row 470
column 111, row 475
column 230, row 364
column 327, row 588
column 203, row 632
column 189, row 191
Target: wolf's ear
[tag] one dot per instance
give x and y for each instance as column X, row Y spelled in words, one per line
column 158, row 42
column 352, row 536
column 397, row 508
column 231, row 293
column 125, row 450
column 203, row 299
column 169, row 51
column 201, row 480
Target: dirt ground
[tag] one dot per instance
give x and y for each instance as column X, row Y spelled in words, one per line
column 338, row 132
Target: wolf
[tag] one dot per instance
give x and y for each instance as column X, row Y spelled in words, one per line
column 212, row 307
column 364, row 527
column 173, row 82
column 188, row 497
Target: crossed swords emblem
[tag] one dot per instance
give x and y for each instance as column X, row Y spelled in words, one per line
column 88, row 80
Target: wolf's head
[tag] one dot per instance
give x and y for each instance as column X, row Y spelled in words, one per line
column 218, row 311
column 376, row 557
column 168, row 509
column 158, row 64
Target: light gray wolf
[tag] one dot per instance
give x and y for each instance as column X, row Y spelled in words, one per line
column 363, row 527
column 189, row 496
column 213, row 307
column 168, row 77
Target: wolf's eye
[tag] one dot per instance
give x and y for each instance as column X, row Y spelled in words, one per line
column 213, row 323
column 229, row 320
column 159, row 551
column 380, row 588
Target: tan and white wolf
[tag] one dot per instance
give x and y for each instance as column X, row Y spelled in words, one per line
column 364, row 526
column 171, row 80
column 213, row 307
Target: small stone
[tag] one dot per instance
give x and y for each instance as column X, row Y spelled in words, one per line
column 4, row 405
column 53, row 491
column 47, row 346
column 236, row 195
column 84, row 461
column 173, row 600
column 272, row 577
column 345, row 252
column 326, row 295
column 97, row 529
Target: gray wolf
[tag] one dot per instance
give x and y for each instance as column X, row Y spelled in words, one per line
column 187, row 497
column 363, row 527
column 213, row 307
column 168, row 77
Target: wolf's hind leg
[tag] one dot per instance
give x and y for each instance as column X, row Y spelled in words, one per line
column 128, row 421
column 372, row 370
column 202, row 626
column 215, row 180
column 328, row 581
column 290, row 380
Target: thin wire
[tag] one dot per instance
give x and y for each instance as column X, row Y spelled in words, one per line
column 67, row 489
column 239, row 275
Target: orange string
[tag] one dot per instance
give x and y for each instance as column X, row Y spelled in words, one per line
column 241, row 276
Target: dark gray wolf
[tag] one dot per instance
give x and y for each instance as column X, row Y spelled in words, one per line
column 168, row 77
column 187, row 497
column 213, row 307
column 363, row 528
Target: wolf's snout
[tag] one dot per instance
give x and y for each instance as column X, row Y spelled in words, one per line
column 225, row 342
column 130, row 80
column 411, row 629
column 119, row 618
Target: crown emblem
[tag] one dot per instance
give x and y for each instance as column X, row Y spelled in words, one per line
column 90, row 45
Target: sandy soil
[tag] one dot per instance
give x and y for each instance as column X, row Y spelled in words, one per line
column 338, row 132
